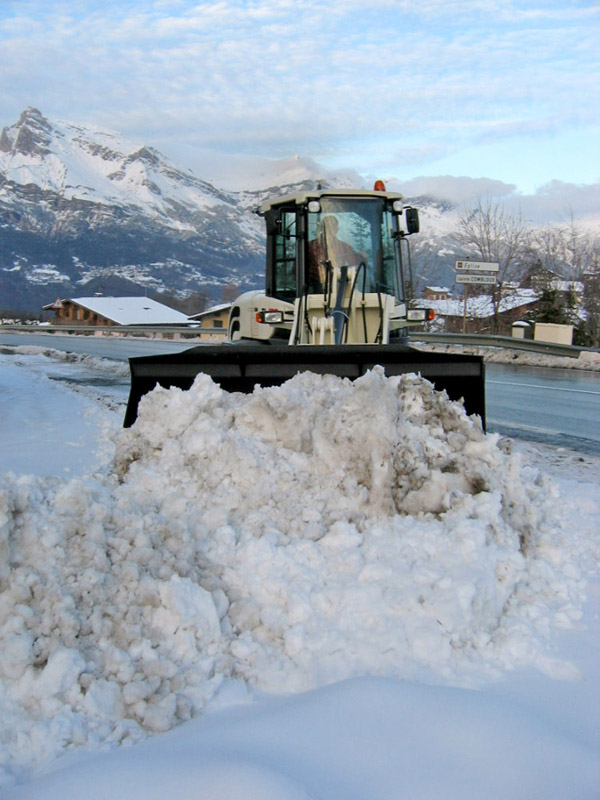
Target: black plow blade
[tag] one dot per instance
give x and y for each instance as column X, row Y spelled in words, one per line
column 239, row 368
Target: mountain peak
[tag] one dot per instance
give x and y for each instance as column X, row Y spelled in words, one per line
column 30, row 136
column 33, row 116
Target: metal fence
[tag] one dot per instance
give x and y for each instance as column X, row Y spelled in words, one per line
column 144, row 331
column 506, row 342
column 178, row 332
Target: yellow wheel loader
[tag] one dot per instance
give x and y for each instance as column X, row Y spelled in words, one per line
column 337, row 300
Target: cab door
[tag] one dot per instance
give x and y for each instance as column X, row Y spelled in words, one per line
column 282, row 277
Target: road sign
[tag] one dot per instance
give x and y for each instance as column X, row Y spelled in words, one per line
column 467, row 278
column 476, row 266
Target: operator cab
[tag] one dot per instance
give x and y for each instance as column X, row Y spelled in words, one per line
column 311, row 234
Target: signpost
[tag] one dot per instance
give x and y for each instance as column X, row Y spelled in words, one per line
column 474, row 272
column 476, row 266
column 466, row 278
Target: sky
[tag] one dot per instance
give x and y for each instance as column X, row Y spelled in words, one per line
column 506, row 90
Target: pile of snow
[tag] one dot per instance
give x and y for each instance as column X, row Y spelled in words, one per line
column 284, row 540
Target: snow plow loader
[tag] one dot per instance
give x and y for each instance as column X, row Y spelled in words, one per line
column 337, row 300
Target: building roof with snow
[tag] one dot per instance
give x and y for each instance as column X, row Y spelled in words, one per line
column 482, row 306
column 126, row 310
column 559, row 285
column 219, row 309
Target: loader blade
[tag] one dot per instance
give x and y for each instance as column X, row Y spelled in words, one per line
column 239, row 368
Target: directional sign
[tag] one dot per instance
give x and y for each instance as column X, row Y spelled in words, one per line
column 466, row 278
column 476, row 266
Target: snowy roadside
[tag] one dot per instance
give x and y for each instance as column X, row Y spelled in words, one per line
column 561, row 463
column 587, row 360
column 295, row 540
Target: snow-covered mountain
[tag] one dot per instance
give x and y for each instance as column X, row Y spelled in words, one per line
column 81, row 208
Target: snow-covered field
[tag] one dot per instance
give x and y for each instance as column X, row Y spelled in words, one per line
column 325, row 590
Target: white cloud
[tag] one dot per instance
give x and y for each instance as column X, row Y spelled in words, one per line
column 559, row 200
column 459, row 190
column 554, row 202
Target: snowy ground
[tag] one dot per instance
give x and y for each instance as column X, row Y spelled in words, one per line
column 324, row 590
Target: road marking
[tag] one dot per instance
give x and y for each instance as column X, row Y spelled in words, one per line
column 548, row 388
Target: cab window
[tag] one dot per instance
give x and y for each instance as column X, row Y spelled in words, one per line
column 286, row 240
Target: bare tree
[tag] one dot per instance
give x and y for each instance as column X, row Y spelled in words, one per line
column 578, row 247
column 563, row 262
column 590, row 277
column 544, row 255
column 191, row 304
column 230, row 292
column 488, row 232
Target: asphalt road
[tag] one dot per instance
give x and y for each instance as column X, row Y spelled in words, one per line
column 118, row 348
column 555, row 406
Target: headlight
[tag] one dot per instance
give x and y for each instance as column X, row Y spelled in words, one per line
column 271, row 316
column 420, row 314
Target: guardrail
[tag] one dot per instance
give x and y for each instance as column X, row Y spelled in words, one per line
column 181, row 332
column 506, row 342
column 148, row 331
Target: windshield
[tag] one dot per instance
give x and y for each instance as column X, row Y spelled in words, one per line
column 356, row 233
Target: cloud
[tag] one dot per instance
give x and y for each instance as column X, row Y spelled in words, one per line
column 421, row 153
column 556, row 201
column 458, row 190
column 562, row 201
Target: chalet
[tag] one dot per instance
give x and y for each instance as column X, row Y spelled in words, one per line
column 547, row 280
column 480, row 316
column 566, row 288
column 215, row 318
column 436, row 293
column 109, row 311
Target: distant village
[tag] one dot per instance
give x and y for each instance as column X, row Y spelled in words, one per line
column 552, row 304
column 548, row 309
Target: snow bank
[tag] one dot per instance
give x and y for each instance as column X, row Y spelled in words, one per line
column 51, row 423
column 116, row 368
column 586, row 360
column 287, row 539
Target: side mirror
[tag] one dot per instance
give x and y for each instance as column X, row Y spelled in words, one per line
column 412, row 220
